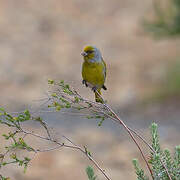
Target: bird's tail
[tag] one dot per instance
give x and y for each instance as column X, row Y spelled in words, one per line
column 98, row 98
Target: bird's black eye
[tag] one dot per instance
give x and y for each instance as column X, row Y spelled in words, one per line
column 89, row 51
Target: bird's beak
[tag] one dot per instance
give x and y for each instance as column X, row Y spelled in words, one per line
column 84, row 54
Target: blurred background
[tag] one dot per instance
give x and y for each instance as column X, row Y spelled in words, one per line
column 140, row 44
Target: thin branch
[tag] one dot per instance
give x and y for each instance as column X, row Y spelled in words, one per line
column 132, row 136
column 73, row 146
column 129, row 130
column 49, row 149
column 90, row 158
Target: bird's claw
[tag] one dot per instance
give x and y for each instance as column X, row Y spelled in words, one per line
column 104, row 87
column 84, row 82
column 94, row 88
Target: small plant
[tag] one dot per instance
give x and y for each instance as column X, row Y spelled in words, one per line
column 158, row 158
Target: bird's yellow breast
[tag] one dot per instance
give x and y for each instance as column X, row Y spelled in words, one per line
column 94, row 73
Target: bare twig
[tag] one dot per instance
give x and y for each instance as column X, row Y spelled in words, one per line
column 60, row 145
column 131, row 135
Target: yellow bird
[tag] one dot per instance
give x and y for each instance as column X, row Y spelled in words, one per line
column 94, row 71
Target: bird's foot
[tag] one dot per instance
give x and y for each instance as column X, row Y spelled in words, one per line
column 104, row 87
column 84, row 82
column 94, row 88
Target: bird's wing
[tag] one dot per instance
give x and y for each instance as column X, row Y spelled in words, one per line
column 104, row 68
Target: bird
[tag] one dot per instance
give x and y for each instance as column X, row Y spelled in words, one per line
column 94, row 71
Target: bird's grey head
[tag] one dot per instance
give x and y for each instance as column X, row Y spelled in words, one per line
column 91, row 54
column 97, row 54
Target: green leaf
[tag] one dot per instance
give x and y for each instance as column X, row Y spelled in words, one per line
column 27, row 115
column 58, row 108
column 63, row 100
column 68, row 105
column 2, row 109
column 62, row 82
column 54, row 95
column 90, row 173
column 102, row 120
column 13, row 156
column 6, row 136
column 76, row 99
column 4, row 163
column 50, row 81
column 89, row 153
column 89, row 117
column 67, row 86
